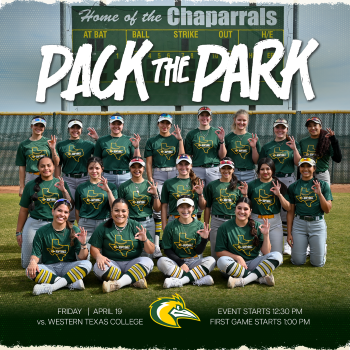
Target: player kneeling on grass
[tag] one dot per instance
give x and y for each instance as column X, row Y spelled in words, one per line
column 183, row 240
column 238, row 243
column 117, row 246
column 58, row 244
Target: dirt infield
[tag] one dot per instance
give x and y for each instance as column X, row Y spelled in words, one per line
column 336, row 188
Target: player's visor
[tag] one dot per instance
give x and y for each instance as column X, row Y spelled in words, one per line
column 114, row 118
column 280, row 122
column 313, row 119
column 137, row 161
column 307, row 160
column 38, row 120
column 185, row 201
column 63, row 200
column 204, row 109
column 182, row 157
column 226, row 162
column 166, row 117
column 75, row 122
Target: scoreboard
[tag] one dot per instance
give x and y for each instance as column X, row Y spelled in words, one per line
column 176, row 31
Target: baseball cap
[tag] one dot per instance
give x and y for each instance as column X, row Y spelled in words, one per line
column 182, row 157
column 75, row 122
column 166, row 117
column 137, row 160
column 38, row 120
column 185, row 200
column 315, row 120
column 307, row 160
column 226, row 162
column 280, row 121
column 116, row 117
column 204, row 109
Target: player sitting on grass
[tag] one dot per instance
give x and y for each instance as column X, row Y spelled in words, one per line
column 57, row 244
column 238, row 244
column 184, row 239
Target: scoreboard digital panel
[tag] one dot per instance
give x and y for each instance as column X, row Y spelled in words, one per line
column 176, row 31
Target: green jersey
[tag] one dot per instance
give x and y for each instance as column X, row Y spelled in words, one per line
column 54, row 246
column 203, row 146
column 47, row 196
column 116, row 152
column 281, row 154
column 92, row 201
column 139, row 200
column 74, row 155
column 118, row 245
column 182, row 239
column 163, row 150
column 307, row 202
column 308, row 149
column 239, row 150
column 264, row 202
column 220, row 199
column 238, row 240
column 29, row 152
column 173, row 189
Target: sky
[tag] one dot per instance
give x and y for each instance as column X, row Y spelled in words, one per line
column 25, row 26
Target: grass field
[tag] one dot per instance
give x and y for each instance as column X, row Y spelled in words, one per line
column 303, row 287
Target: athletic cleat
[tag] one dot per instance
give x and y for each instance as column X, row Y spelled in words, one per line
column 142, row 284
column 157, row 253
column 110, row 286
column 287, row 250
column 43, row 288
column 204, row 281
column 172, row 282
column 235, row 282
column 269, row 280
column 79, row 285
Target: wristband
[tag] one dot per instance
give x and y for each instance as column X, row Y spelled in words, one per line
column 155, row 196
column 136, row 147
column 18, row 234
column 221, row 142
column 145, row 240
column 201, row 195
column 83, row 244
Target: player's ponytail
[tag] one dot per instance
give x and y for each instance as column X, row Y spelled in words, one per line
column 195, row 180
column 109, row 223
column 69, row 226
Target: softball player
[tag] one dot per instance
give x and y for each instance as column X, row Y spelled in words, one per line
column 243, row 147
column 285, row 152
column 94, row 198
column 161, row 152
column 310, row 199
column 221, row 196
column 116, row 151
column 238, row 245
column 320, row 145
column 117, row 246
column 37, row 200
column 186, row 183
column 141, row 196
column 74, row 154
column 31, row 150
column 268, row 195
column 57, row 244
column 206, row 146
column 184, row 239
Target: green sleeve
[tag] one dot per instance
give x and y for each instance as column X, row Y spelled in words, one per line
column 149, row 237
column 167, row 243
column 132, row 150
column 97, row 237
column 208, row 196
column 221, row 240
column 250, row 189
column 77, row 244
column 262, row 153
column 20, row 156
column 297, row 145
column 188, row 145
column 326, row 191
column 291, row 194
column 165, row 194
column 258, row 146
column 199, row 238
column 114, row 190
column 67, row 188
column 98, row 149
column 60, row 154
column 37, row 249
column 25, row 199
column 286, row 196
column 77, row 199
column 226, row 141
column 148, row 149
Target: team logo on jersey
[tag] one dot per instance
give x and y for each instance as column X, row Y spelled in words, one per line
column 187, row 244
column 242, row 150
column 308, row 197
column 76, row 154
column 244, row 245
column 116, row 151
column 227, row 199
column 48, row 197
column 311, row 152
column 58, row 250
column 267, row 200
column 138, row 200
column 167, row 151
column 280, row 155
column 204, row 144
column 95, row 199
column 168, row 311
column 37, row 154
column 181, row 192
column 122, row 246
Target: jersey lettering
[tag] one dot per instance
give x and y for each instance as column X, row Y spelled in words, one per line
column 242, row 150
column 48, row 197
column 123, row 246
column 138, row 201
column 167, row 151
column 76, row 154
column 95, row 199
column 187, row 244
column 37, row 154
column 280, row 155
column 227, row 199
column 116, row 151
column 204, row 144
column 267, row 200
column 58, row 250
column 245, row 246
column 308, row 197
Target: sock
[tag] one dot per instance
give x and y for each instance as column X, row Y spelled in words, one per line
column 136, row 272
column 199, row 217
column 112, row 274
column 125, row 280
column 158, row 224
column 284, row 226
column 175, row 272
column 195, row 274
column 250, row 278
column 59, row 283
column 45, row 276
column 266, row 267
column 75, row 274
column 236, row 270
column 156, row 240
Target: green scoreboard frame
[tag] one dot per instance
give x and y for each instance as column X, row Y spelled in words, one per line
column 111, row 25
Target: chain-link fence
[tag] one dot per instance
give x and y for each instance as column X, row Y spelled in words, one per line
column 15, row 127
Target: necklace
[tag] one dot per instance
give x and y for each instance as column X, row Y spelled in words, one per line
column 121, row 229
column 60, row 232
column 204, row 136
column 137, row 187
column 240, row 136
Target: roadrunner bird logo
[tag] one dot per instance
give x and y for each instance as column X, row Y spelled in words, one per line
column 167, row 311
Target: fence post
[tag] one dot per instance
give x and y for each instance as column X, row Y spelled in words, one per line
column 332, row 174
column 54, row 123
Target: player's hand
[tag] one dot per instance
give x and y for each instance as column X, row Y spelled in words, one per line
column 135, row 140
column 19, row 240
column 177, row 132
column 142, row 234
column 220, row 133
column 200, row 187
column 185, row 268
column 32, row 269
column 102, row 261
column 291, row 144
column 316, row 187
column 241, row 261
column 330, row 132
column 60, row 185
column 93, row 133
column 81, row 236
column 276, row 189
column 243, row 188
column 103, row 185
column 253, row 140
column 20, row 191
column 204, row 232
column 290, row 240
column 265, row 227
column 52, row 143
column 152, row 189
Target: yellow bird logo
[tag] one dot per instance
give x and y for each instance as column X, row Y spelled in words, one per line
column 116, row 151
column 58, row 249
column 181, row 192
column 95, row 199
column 138, row 201
column 76, row 154
column 308, row 197
column 167, row 311
column 242, row 150
column 38, row 153
column 226, row 199
column 311, row 152
column 267, row 200
column 187, row 244
column 204, row 144
column 123, row 246
column 244, row 245
column 167, row 151
column 48, row 197
column 280, row 155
